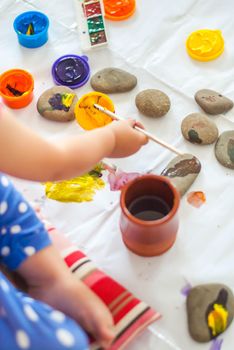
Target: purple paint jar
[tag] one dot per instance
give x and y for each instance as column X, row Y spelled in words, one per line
column 71, row 70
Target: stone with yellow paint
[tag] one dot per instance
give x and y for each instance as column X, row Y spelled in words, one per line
column 210, row 309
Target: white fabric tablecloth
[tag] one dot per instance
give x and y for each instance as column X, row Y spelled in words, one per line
column 151, row 45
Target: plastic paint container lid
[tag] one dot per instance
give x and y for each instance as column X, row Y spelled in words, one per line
column 71, row 70
column 87, row 116
column 205, row 44
column 31, row 28
column 118, row 10
column 16, row 88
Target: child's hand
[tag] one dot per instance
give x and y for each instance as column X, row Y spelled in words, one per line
column 127, row 140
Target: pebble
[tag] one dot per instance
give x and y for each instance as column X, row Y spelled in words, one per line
column 198, row 128
column 57, row 104
column 224, row 149
column 213, row 102
column 182, row 171
column 210, row 309
column 113, row 80
column 153, row 103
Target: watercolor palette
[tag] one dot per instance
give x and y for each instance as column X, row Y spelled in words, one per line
column 91, row 25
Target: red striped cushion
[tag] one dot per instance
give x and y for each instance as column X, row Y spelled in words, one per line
column 131, row 315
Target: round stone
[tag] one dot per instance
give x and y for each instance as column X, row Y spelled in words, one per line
column 224, row 149
column 153, row 103
column 57, row 104
column 198, row 128
column 213, row 102
column 210, row 310
column 113, row 80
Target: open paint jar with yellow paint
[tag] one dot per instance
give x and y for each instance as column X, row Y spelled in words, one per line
column 205, row 44
column 16, row 88
column 87, row 116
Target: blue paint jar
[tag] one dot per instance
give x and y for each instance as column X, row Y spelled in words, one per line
column 71, row 70
column 31, row 28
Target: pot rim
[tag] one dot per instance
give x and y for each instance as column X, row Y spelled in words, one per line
column 158, row 222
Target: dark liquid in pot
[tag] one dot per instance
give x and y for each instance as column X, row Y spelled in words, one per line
column 149, row 208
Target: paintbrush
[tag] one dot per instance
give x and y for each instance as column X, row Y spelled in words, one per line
column 146, row 133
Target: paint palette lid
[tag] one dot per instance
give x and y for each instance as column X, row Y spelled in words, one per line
column 71, row 70
column 118, row 10
column 205, row 44
column 87, row 116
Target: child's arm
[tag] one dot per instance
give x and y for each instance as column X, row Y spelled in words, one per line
column 25, row 154
column 49, row 279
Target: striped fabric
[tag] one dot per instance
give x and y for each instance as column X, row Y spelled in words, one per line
column 131, row 315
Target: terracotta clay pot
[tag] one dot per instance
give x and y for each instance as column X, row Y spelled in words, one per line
column 149, row 238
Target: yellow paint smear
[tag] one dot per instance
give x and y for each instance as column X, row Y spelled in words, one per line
column 80, row 189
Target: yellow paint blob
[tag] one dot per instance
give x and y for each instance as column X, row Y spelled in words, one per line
column 67, row 99
column 80, row 189
column 205, row 44
column 87, row 116
column 217, row 319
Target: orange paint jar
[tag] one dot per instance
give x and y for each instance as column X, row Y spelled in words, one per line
column 149, row 215
column 16, row 88
column 118, row 10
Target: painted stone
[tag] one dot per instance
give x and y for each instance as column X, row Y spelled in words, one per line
column 213, row 102
column 153, row 103
column 210, row 309
column 198, row 128
column 182, row 171
column 224, row 149
column 113, row 80
column 57, row 104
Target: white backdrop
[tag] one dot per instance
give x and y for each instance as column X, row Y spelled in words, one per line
column 151, row 45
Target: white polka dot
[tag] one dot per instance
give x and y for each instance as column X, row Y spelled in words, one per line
column 57, row 316
column 28, row 299
column 4, row 286
column 30, row 313
column 22, row 207
column 65, row 337
column 5, row 251
column 4, row 181
column 3, row 207
column 15, row 229
column 29, row 250
column 3, row 231
column 22, row 339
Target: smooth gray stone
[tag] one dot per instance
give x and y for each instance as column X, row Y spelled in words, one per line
column 200, row 129
column 224, row 149
column 213, row 102
column 153, row 103
column 53, row 105
column 201, row 304
column 113, row 80
column 182, row 171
